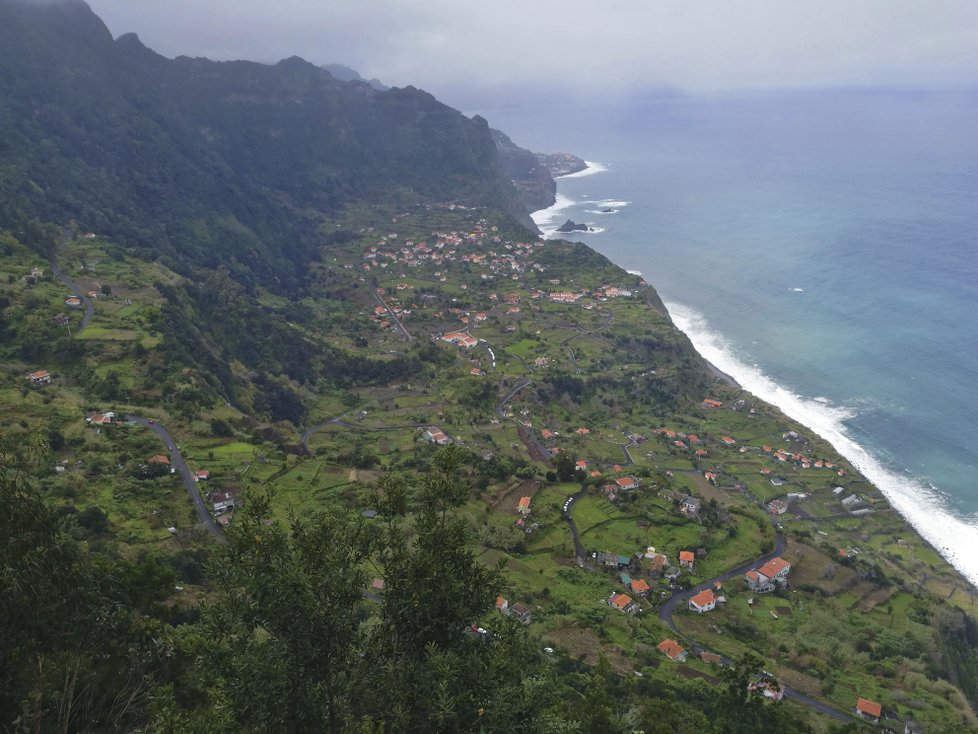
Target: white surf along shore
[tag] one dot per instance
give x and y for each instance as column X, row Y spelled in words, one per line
column 920, row 503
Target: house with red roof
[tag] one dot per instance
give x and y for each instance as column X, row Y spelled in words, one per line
column 687, row 559
column 768, row 576
column 436, row 436
column 623, row 603
column 627, row 483
column 640, row 587
column 705, row 601
column 710, row 403
column 869, row 709
column 673, row 650
column 727, row 440
column 523, row 507
column 41, row 377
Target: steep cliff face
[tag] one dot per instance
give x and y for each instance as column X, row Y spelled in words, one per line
column 207, row 162
column 533, row 173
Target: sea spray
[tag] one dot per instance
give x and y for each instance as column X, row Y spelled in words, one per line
column 923, row 506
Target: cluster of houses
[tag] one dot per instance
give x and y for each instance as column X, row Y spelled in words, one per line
column 502, row 259
column 460, row 339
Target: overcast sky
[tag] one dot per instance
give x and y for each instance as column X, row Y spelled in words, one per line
column 620, row 45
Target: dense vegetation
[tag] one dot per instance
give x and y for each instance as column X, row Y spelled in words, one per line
column 310, row 283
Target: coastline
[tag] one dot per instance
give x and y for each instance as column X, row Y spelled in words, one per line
column 942, row 531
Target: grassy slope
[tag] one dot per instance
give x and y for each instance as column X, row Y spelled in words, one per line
column 835, row 633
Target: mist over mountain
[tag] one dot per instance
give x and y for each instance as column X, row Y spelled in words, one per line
column 204, row 162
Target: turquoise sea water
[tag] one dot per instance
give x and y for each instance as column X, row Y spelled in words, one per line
column 822, row 248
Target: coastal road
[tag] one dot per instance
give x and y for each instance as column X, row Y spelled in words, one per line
column 396, row 321
column 186, row 476
column 76, row 291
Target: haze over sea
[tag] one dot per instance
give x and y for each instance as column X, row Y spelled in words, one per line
column 821, row 248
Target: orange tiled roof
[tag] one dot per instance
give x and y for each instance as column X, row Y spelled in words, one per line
column 671, row 648
column 871, row 708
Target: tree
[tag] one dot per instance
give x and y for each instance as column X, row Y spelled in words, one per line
column 288, row 620
column 565, row 465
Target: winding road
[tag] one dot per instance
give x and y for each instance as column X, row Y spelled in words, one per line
column 186, row 476
column 669, row 606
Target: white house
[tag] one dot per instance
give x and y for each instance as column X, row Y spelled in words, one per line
column 705, row 601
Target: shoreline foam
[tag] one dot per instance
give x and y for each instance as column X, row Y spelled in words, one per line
column 921, row 505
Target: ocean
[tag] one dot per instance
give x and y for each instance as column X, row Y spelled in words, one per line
column 822, row 249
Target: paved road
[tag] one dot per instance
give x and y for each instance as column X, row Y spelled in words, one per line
column 316, row 428
column 186, row 476
column 681, row 597
column 804, row 700
column 509, row 396
column 579, row 550
column 390, row 313
column 77, row 291
column 667, row 609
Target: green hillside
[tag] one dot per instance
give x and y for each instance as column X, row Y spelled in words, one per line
column 306, row 431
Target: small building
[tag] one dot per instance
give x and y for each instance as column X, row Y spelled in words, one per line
column 705, row 601
column 523, row 507
column 627, row 483
column 502, row 605
column 436, row 436
column 711, row 658
column 102, row 419
column 521, row 613
column 223, row 502
column 709, row 403
column 869, row 709
column 623, row 603
column 73, row 302
column 673, row 650
column 640, row 587
column 687, row 560
column 690, row 506
column 777, row 507
column 41, row 377
column 202, row 475
column 767, row 686
column 159, row 460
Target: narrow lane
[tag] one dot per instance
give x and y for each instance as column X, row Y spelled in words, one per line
column 396, row 321
column 76, row 291
column 186, row 476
